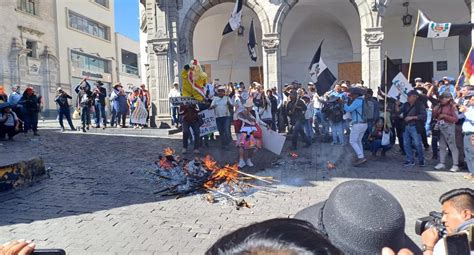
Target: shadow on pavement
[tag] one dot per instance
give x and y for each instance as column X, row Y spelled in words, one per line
column 91, row 173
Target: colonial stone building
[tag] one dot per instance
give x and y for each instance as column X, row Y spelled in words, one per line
column 28, row 47
column 356, row 35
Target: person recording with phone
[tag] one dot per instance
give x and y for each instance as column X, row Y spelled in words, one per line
column 458, row 216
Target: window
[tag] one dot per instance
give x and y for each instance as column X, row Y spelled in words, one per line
column 90, row 63
column 28, row 6
column 129, row 62
column 88, row 26
column 31, row 46
column 104, row 3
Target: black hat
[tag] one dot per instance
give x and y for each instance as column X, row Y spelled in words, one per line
column 413, row 93
column 360, row 217
column 99, row 83
column 357, row 90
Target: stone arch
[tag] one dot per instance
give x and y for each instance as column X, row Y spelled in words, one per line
column 365, row 13
column 281, row 14
column 195, row 12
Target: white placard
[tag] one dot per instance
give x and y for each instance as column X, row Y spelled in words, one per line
column 209, row 119
column 400, row 88
column 272, row 140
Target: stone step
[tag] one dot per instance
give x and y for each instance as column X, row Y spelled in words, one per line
column 16, row 173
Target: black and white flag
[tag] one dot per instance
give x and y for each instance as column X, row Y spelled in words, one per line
column 320, row 73
column 430, row 29
column 235, row 18
column 252, row 42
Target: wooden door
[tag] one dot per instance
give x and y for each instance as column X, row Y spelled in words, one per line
column 350, row 71
column 256, row 75
column 424, row 70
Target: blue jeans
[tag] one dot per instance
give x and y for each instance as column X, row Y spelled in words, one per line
column 377, row 145
column 412, row 137
column 223, row 126
column 174, row 115
column 100, row 113
column 429, row 114
column 308, row 128
column 64, row 112
column 187, row 134
column 85, row 116
column 298, row 129
column 320, row 119
column 337, row 130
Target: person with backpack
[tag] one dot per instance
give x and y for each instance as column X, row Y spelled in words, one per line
column 373, row 113
column 355, row 107
column 334, row 111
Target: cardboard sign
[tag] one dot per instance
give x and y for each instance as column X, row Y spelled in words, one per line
column 209, row 119
column 177, row 101
column 273, row 141
column 400, row 88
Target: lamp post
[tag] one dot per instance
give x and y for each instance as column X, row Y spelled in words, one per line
column 407, row 18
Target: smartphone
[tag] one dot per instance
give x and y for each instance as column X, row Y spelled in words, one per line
column 48, row 252
column 457, row 244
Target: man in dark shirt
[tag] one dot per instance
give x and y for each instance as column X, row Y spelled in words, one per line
column 413, row 114
column 295, row 109
column 100, row 93
column 84, row 101
column 63, row 110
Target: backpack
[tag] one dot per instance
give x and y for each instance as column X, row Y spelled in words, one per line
column 367, row 110
column 333, row 111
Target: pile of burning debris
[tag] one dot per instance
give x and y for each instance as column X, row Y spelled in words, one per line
column 179, row 177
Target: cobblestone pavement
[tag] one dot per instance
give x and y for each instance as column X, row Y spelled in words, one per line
column 98, row 200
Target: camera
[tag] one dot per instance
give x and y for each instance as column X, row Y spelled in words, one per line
column 431, row 221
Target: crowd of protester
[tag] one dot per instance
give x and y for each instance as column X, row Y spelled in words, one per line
column 372, row 121
column 19, row 112
column 135, row 104
column 358, row 217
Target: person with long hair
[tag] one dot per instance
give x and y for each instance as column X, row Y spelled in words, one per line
column 30, row 110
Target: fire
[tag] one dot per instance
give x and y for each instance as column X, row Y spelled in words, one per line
column 227, row 174
column 168, row 152
column 165, row 163
column 209, row 163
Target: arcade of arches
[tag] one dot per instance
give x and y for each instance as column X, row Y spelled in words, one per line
column 288, row 33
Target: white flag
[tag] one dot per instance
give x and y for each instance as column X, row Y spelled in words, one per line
column 400, row 88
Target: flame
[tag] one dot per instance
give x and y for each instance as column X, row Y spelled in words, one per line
column 294, row 155
column 209, row 163
column 227, row 174
column 168, row 152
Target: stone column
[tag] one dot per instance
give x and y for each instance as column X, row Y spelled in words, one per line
column 161, row 49
column 271, row 60
column 372, row 57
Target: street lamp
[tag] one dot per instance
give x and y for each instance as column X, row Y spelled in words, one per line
column 407, row 18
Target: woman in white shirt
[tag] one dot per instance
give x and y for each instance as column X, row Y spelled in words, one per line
column 222, row 105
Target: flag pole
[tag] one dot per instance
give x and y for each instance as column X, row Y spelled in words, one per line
column 413, row 46
column 462, row 70
column 233, row 57
column 385, row 100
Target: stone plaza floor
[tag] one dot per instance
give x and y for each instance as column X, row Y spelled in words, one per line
column 99, row 200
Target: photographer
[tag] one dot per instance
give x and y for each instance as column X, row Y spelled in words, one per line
column 458, row 215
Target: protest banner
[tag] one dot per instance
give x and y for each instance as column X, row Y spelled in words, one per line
column 273, row 141
column 400, row 88
column 177, row 101
column 209, row 122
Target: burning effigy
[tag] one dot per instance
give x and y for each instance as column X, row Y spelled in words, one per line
column 179, row 177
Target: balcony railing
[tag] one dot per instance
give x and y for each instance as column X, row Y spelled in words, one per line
column 129, row 69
